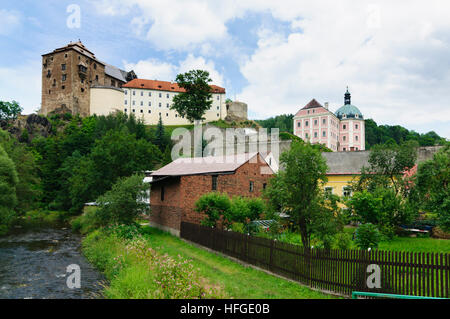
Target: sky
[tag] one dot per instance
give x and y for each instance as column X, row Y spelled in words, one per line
column 275, row 56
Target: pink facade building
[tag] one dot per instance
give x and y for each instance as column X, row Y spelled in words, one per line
column 342, row 131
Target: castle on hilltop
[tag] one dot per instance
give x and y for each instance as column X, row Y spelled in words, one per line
column 75, row 81
column 342, row 131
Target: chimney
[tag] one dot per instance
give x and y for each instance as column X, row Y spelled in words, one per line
column 326, row 105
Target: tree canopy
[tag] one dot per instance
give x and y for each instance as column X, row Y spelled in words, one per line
column 196, row 100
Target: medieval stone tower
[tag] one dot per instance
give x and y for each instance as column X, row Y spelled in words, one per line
column 69, row 72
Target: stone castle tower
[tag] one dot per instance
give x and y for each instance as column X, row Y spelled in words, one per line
column 68, row 74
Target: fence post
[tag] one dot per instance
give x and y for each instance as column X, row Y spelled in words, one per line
column 271, row 255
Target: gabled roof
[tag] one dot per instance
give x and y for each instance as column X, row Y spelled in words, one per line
column 116, row 73
column 311, row 105
column 205, row 165
column 163, row 86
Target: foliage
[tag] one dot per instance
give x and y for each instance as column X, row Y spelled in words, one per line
column 137, row 270
column 343, row 240
column 297, row 188
column 86, row 222
column 367, row 236
column 381, row 134
column 193, row 103
column 9, row 110
column 381, row 207
column 123, row 204
column 433, row 180
column 214, row 205
column 8, row 199
column 28, row 184
column 284, row 123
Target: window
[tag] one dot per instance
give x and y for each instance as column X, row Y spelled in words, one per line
column 162, row 193
column 142, row 103
column 299, row 124
column 217, row 98
column 344, row 127
column 159, row 104
column 142, row 93
column 149, row 93
column 356, row 137
column 134, row 102
column 345, row 149
column 149, row 111
column 252, row 185
column 315, row 122
column 324, row 121
column 324, row 134
column 167, row 114
column 95, row 66
column 167, row 104
column 306, row 135
column 214, row 183
column 306, row 123
column 134, row 92
column 356, row 126
column 125, row 110
column 315, row 134
column 134, row 111
column 63, row 67
column 346, row 191
column 63, row 87
column 149, row 103
column 82, row 90
column 343, row 138
column 65, row 55
column 168, row 95
column 160, row 95
column 96, row 78
column 64, row 77
column 126, row 92
column 264, row 185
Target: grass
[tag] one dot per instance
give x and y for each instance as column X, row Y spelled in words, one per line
column 236, row 280
column 416, row 245
column 131, row 277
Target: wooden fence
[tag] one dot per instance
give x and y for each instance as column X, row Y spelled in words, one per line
column 338, row 271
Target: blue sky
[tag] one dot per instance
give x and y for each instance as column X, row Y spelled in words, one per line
column 274, row 55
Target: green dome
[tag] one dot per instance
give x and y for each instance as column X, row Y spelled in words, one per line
column 350, row 111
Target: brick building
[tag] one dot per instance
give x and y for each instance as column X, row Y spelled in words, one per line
column 68, row 74
column 177, row 186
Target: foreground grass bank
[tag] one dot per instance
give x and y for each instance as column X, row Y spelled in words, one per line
column 154, row 264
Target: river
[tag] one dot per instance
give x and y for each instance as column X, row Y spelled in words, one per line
column 33, row 265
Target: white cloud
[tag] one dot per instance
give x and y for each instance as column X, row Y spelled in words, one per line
column 397, row 64
column 23, row 84
column 9, row 21
column 154, row 69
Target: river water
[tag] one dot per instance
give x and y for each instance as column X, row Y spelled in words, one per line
column 33, row 265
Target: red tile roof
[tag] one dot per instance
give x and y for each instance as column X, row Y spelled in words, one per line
column 163, row 86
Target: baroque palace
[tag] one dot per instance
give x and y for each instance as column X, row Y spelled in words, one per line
column 342, row 131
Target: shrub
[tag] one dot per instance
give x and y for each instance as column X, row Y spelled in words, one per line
column 214, row 206
column 123, row 204
column 367, row 236
column 238, row 228
column 343, row 240
column 239, row 210
column 87, row 222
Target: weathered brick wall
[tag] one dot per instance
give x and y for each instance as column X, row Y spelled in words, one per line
column 167, row 212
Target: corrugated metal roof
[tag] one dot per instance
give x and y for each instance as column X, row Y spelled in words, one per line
column 204, row 165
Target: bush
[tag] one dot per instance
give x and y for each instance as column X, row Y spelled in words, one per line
column 214, row 206
column 238, row 228
column 367, row 236
column 343, row 240
column 123, row 204
column 87, row 222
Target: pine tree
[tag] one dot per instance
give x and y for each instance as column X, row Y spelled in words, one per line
column 160, row 134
